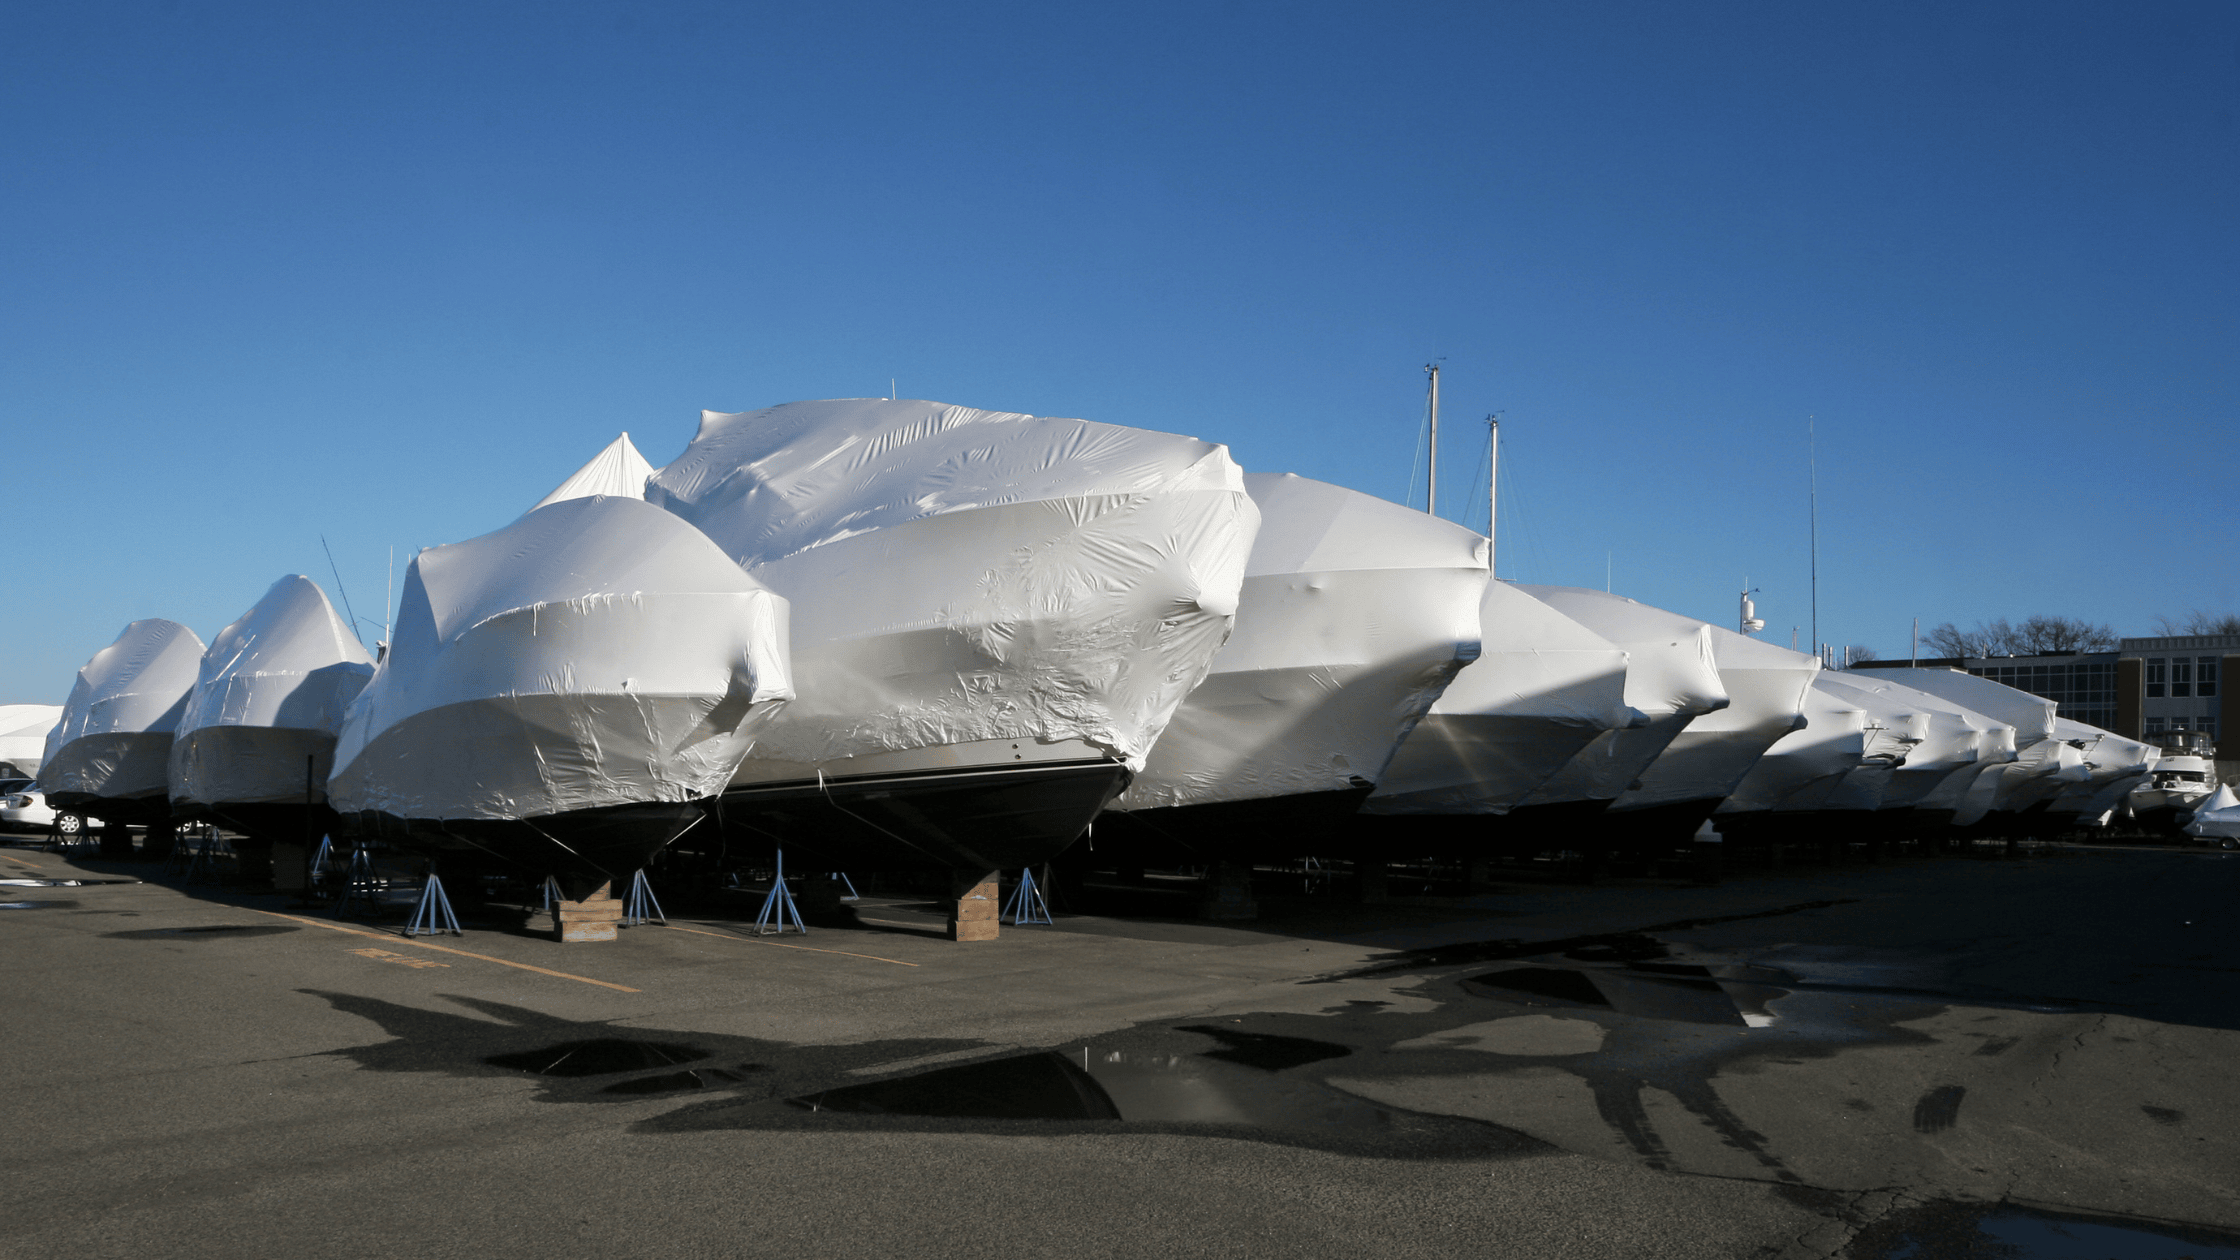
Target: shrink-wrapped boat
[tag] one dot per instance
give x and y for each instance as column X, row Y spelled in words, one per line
column 1710, row 754
column 1542, row 688
column 994, row 616
column 110, row 755
column 2006, row 798
column 1672, row 678
column 1803, row 768
column 23, row 737
column 256, row 741
column 1354, row 615
column 1951, row 746
column 562, row 695
column 2115, row 765
column 618, row 471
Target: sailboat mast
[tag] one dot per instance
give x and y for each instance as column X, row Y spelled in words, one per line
column 1493, row 483
column 1431, row 495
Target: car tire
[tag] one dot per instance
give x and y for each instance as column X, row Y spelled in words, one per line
column 69, row 825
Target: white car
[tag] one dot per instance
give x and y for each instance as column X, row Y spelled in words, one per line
column 22, row 809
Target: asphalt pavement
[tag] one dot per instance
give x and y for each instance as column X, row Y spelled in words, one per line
column 1919, row 1058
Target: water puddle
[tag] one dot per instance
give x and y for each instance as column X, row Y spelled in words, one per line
column 1997, row 1231
column 692, row 1078
column 36, row 905
column 61, row 883
column 1137, row 1087
column 1266, row 1051
column 600, row 1056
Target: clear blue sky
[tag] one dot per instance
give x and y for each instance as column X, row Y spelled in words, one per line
column 389, row 272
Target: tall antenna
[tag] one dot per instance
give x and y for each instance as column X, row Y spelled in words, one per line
column 1431, row 494
column 1812, row 466
column 337, row 571
column 1493, row 494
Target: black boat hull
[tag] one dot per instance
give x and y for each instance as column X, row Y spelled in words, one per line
column 1272, row 828
column 972, row 819
column 581, row 848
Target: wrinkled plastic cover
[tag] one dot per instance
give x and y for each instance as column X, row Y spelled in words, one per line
column 2032, row 717
column 596, row 652
column 961, row 576
column 1765, row 687
column 1672, row 678
column 273, row 687
column 1950, row 738
column 1354, row 616
column 2043, row 764
column 618, row 471
column 114, row 739
column 2217, row 818
column 1803, row 767
column 1543, row 686
column 23, row 735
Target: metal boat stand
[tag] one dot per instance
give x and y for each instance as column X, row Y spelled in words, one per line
column 641, row 908
column 778, row 907
column 1027, row 904
column 845, row 882
column 358, row 883
column 433, row 915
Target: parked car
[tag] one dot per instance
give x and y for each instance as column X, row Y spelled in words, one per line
column 22, row 809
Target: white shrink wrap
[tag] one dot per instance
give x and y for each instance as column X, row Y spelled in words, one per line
column 113, row 742
column 597, row 652
column 970, row 587
column 1804, row 767
column 619, row 471
column 1765, row 688
column 1951, row 743
column 1672, row 678
column 261, row 723
column 1543, row 686
column 23, row 737
column 2108, row 757
column 2217, row 819
column 2044, row 764
column 1354, row 615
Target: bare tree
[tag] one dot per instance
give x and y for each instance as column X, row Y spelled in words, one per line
column 2041, row 634
column 1987, row 638
column 1856, row 653
column 2199, row 622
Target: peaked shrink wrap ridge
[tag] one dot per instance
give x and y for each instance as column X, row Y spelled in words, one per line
column 1543, row 687
column 1672, row 678
column 114, row 739
column 964, row 577
column 1803, row 768
column 2043, row 764
column 1764, row 685
column 23, row 737
column 2113, row 766
column 1353, row 616
column 619, row 471
column 595, row 652
column 1950, row 745
column 2217, row 818
column 268, row 702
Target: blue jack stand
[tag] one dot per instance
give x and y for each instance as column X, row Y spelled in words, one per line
column 1027, row 904
column 552, row 895
column 778, row 907
column 849, row 884
column 433, row 915
column 359, row 883
column 209, row 847
column 321, row 860
column 641, row 908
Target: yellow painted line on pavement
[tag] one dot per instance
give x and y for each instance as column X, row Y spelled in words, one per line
column 733, row 936
column 20, row 862
column 445, row 949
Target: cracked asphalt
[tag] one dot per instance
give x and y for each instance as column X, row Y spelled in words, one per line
column 1821, row 1062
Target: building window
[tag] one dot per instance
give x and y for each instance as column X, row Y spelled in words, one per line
column 2205, row 676
column 2156, row 726
column 2156, row 667
column 2181, row 676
